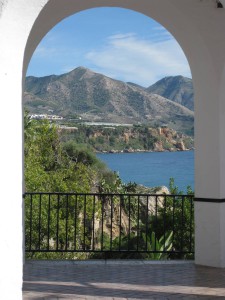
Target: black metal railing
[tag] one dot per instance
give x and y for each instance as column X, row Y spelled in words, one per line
column 151, row 226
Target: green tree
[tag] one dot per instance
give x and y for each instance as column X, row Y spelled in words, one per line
column 48, row 167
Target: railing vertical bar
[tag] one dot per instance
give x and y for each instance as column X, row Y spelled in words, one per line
column 111, row 217
column 191, row 219
column 93, row 224
column 49, row 208
column 173, row 227
column 120, row 222
column 31, row 220
column 129, row 227
column 102, row 222
column 75, row 224
column 164, row 223
column 156, row 220
column 146, row 226
column 84, row 240
column 138, row 225
column 39, row 223
column 182, row 224
column 57, row 224
column 67, row 216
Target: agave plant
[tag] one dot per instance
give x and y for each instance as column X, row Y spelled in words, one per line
column 162, row 245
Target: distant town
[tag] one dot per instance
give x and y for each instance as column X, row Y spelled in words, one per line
column 45, row 117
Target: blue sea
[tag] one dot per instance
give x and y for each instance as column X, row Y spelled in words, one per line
column 153, row 168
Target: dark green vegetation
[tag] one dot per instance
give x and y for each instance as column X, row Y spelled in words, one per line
column 54, row 166
column 126, row 139
column 51, row 166
column 84, row 94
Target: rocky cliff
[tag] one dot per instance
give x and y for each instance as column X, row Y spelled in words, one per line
column 129, row 139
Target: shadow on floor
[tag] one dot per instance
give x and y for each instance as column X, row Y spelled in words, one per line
column 121, row 280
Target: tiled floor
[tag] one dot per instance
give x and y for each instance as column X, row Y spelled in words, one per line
column 121, row 280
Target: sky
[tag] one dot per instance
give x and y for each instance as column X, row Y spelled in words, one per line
column 119, row 43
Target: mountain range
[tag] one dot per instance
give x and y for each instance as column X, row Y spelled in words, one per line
column 176, row 88
column 94, row 97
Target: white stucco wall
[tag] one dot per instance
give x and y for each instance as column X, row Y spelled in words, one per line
column 16, row 19
column 199, row 28
column 210, row 224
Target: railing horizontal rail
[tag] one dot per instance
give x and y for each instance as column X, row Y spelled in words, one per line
column 105, row 194
column 158, row 225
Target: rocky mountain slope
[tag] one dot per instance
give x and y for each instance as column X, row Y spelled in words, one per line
column 176, row 88
column 95, row 97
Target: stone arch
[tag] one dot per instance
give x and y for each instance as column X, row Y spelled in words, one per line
column 54, row 12
column 198, row 26
column 173, row 15
column 169, row 14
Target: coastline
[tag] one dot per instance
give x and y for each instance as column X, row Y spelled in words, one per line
column 112, row 151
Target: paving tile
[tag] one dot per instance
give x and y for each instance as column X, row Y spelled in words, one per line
column 121, row 280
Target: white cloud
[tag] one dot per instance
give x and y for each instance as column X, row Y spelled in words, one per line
column 121, row 36
column 125, row 56
column 45, row 52
column 130, row 58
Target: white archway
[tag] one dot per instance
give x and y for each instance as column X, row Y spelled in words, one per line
column 174, row 16
column 198, row 27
